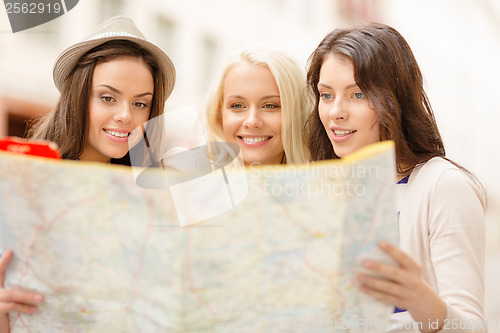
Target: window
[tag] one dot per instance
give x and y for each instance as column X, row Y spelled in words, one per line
column 166, row 34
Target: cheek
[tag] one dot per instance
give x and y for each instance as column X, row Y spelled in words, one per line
column 144, row 118
column 228, row 122
column 375, row 123
column 323, row 115
column 374, row 126
column 141, row 117
column 93, row 117
column 273, row 120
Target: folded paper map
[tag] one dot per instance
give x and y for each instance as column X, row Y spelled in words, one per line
column 111, row 256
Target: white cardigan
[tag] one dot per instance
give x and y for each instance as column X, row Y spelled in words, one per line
column 442, row 226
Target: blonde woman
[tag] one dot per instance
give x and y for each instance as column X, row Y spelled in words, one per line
column 259, row 103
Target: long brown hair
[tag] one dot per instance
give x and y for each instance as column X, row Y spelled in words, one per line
column 67, row 125
column 386, row 70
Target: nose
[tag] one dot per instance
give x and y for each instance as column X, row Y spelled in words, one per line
column 338, row 110
column 123, row 113
column 253, row 119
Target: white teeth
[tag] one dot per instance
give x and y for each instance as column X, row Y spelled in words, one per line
column 117, row 134
column 255, row 140
column 342, row 133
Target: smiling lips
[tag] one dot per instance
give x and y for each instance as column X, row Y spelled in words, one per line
column 254, row 141
column 117, row 135
column 341, row 135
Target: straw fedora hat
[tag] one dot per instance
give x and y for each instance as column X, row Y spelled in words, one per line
column 115, row 28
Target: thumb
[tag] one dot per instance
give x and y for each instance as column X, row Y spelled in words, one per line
column 5, row 259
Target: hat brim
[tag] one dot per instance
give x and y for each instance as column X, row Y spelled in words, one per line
column 68, row 59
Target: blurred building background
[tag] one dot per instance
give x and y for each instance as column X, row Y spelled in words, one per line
column 457, row 44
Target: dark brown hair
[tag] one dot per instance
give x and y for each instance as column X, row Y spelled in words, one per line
column 386, row 70
column 67, row 125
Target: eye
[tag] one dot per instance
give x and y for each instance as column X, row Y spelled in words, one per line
column 358, row 95
column 140, row 105
column 237, row 106
column 107, row 99
column 326, row 96
column 271, row 106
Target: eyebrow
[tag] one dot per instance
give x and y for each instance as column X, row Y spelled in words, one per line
column 120, row 93
column 235, row 96
column 271, row 96
column 327, row 86
column 265, row 97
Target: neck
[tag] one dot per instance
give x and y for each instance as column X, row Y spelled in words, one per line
column 400, row 175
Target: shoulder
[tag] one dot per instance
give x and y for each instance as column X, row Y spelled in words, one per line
column 435, row 168
column 445, row 182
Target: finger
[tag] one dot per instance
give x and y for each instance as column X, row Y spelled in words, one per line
column 4, row 262
column 389, row 272
column 381, row 285
column 386, row 298
column 17, row 307
column 401, row 257
column 19, row 296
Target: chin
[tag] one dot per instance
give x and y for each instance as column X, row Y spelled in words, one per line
column 117, row 156
column 251, row 162
column 340, row 152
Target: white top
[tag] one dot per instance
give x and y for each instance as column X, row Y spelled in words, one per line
column 442, row 226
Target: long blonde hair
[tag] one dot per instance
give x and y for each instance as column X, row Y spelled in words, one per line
column 295, row 104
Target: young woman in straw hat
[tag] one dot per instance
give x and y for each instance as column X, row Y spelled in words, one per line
column 111, row 84
column 115, row 71
column 259, row 103
column 368, row 87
